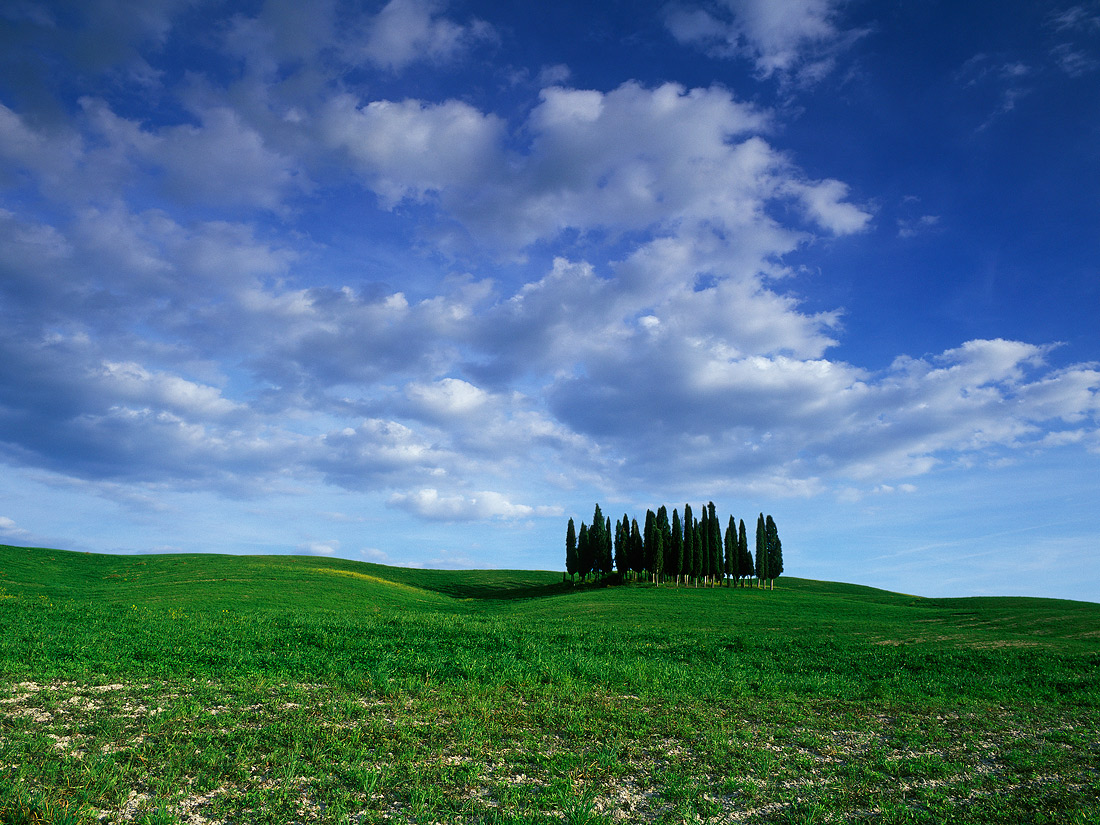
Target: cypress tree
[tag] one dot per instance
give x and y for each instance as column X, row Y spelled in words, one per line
column 715, row 544
column 744, row 557
column 730, row 546
column 702, row 548
column 584, row 552
column 620, row 550
column 676, row 562
column 622, row 564
column 658, row 555
column 689, row 543
column 665, row 531
column 697, row 551
column 637, row 550
column 595, row 540
column 608, row 563
column 761, row 551
column 650, row 541
column 571, row 560
column 775, row 551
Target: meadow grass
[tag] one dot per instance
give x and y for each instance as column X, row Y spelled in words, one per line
column 199, row 688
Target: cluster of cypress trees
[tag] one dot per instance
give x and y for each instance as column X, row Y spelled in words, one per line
column 689, row 550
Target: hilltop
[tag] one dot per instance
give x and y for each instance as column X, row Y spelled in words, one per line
column 312, row 584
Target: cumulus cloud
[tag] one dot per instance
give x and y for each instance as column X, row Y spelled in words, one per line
column 790, row 421
column 782, row 37
column 406, row 31
column 50, row 156
column 623, row 311
column 429, row 503
column 627, row 160
column 411, row 148
column 384, row 453
column 446, row 399
column 687, row 350
column 282, row 31
column 319, row 548
column 134, row 384
column 825, row 202
column 221, row 161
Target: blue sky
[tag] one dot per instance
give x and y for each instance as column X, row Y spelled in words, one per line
column 414, row 282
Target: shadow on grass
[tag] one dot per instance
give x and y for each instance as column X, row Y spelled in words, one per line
column 471, row 587
column 498, row 592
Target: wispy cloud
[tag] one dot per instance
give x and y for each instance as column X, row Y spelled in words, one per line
column 792, row 39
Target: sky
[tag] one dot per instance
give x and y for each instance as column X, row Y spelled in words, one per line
column 415, row 282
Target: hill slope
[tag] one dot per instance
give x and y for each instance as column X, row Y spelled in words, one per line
column 161, row 689
column 307, row 584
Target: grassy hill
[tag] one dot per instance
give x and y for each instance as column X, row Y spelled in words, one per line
column 162, row 688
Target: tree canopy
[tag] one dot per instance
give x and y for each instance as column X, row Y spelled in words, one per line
column 685, row 551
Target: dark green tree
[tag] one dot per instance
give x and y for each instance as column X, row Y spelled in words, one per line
column 715, row 544
column 744, row 556
column 761, row 552
column 775, row 551
column 620, row 548
column 689, row 544
column 572, row 562
column 608, row 561
column 676, row 550
column 706, row 524
column 637, row 548
column 650, row 540
column 665, row 530
column 702, row 549
column 584, row 552
column 697, row 551
column 658, row 555
column 729, row 562
column 596, row 541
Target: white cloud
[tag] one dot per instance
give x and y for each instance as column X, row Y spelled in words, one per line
column 284, row 30
column 1083, row 17
column 134, row 384
column 378, row 453
column 781, row 420
column 1075, row 62
column 913, row 227
column 661, row 345
column 9, row 528
column 224, row 161
column 319, row 548
column 556, row 75
column 782, row 37
column 406, row 31
column 628, row 160
column 824, row 201
column 428, row 503
column 1009, row 80
column 51, row 156
column 446, row 399
column 221, row 161
column 409, row 149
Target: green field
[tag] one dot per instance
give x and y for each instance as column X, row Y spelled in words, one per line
column 202, row 689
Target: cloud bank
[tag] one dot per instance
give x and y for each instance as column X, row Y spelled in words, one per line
column 613, row 300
